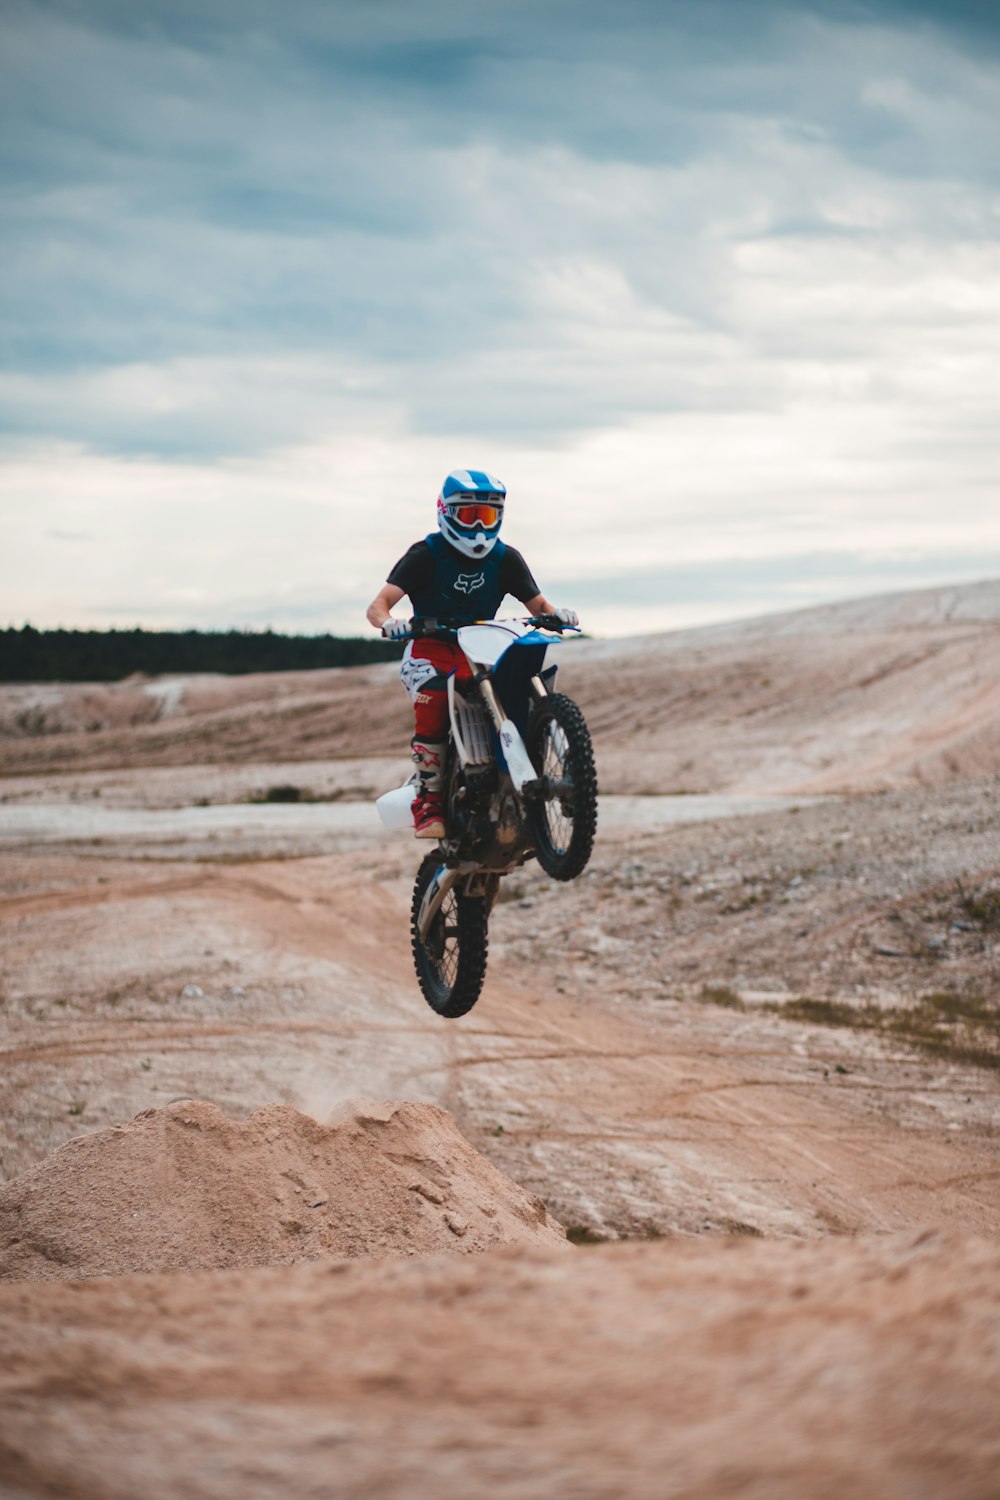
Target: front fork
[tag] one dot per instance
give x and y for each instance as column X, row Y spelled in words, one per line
column 489, row 697
column 515, row 754
column 482, row 883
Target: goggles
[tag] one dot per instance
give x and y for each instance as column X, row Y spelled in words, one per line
column 475, row 513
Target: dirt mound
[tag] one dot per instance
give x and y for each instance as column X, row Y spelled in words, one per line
column 753, row 1369
column 185, row 1188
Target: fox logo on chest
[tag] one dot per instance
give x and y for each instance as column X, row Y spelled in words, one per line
column 467, row 583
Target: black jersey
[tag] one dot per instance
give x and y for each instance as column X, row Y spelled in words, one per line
column 443, row 582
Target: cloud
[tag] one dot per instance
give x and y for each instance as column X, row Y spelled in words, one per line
column 635, row 527
column 720, row 279
column 386, row 190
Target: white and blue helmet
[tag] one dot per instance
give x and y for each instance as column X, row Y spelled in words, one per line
column 470, row 511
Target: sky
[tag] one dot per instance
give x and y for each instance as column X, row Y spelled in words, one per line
column 713, row 287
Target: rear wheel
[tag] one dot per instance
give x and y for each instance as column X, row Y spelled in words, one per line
column 451, row 960
column 563, row 815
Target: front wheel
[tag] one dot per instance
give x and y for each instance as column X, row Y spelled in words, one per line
column 562, row 815
column 451, row 960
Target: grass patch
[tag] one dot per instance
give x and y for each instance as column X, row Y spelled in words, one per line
column 254, row 858
column 286, row 792
column 745, row 903
column 954, row 1027
column 720, row 994
column 980, row 907
column 825, row 1012
column 647, row 1231
column 739, row 1227
column 582, row 1234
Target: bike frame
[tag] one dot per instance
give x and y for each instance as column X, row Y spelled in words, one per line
column 507, row 660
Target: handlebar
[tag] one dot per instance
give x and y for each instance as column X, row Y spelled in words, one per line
column 442, row 628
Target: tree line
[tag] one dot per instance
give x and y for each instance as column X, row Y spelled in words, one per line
column 30, row 655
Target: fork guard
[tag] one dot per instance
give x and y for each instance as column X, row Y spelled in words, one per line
column 482, row 883
column 433, row 899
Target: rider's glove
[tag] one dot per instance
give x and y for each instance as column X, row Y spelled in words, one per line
column 567, row 616
column 395, row 630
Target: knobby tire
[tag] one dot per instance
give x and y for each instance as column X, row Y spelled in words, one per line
column 563, row 828
column 451, row 964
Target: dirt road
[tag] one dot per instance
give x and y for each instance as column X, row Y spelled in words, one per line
column 627, row 1105
column 779, row 1027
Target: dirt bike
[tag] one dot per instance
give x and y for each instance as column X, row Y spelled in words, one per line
column 519, row 783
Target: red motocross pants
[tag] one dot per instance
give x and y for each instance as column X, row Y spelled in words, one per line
column 425, row 670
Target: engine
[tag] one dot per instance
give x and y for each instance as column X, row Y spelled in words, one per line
column 485, row 822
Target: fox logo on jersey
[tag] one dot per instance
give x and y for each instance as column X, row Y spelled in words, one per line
column 467, row 583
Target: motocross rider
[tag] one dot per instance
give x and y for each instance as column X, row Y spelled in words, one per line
column 460, row 573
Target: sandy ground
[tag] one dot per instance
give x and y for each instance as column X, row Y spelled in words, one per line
column 778, row 1027
column 184, row 1188
column 725, row 1369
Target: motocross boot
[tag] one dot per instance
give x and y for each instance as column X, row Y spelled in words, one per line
column 428, row 805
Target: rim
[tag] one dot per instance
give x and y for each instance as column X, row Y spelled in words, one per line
column 442, row 945
column 555, row 767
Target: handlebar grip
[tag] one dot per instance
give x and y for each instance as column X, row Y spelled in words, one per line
column 551, row 622
column 435, row 628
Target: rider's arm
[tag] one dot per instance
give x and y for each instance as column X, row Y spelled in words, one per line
column 381, row 606
column 541, row 606
column 516, row 579
column 412, row 573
